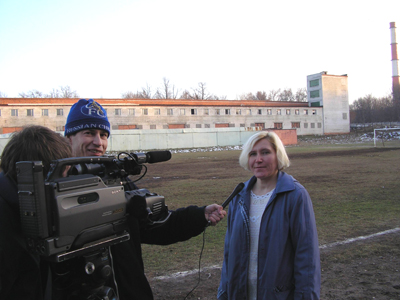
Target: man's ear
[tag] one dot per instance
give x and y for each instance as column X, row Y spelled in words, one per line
column 68, row 137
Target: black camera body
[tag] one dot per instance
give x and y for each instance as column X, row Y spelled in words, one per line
column 68, row 216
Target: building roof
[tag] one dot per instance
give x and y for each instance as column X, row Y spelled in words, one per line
column 151, row 102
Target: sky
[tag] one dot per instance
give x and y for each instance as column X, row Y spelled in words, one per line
column 103, row 48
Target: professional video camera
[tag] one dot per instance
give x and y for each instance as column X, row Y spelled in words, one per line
column 65, row 216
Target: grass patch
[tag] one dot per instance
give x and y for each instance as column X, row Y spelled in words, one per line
column 355, row 191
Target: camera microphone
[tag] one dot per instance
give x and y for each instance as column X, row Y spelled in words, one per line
column 158, row 156
column 236, row 191
column 152, row 157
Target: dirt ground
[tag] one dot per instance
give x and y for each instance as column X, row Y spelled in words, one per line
column 347, row 272
column 374, row 276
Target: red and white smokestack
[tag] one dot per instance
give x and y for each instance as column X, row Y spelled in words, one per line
column 395, row 63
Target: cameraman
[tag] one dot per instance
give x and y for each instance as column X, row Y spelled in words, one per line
column 88, row 130
column 22, row 274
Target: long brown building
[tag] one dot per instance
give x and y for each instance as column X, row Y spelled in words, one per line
column 326, row 112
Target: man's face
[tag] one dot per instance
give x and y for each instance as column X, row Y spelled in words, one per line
column 89, row 142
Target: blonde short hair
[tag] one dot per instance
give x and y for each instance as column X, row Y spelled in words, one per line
column 273, row 138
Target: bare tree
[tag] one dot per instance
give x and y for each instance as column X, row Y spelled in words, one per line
column 201, row 92
column 3, row 95
column 369, row 109
column 301, row 95
column 248, row 96
column 261, row 95
column 286, row 95
column 273, row 94
column 31, row 94
column 146, row 92
column 54, row 94
column 185, row 95
column 167, row 92
column 129, row 95
column 66, row 92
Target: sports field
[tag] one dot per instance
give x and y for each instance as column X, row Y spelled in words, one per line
column 355, row 189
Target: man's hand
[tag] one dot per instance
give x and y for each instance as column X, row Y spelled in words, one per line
column 214, row 213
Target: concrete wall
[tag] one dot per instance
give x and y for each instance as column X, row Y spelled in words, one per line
column 168, row 139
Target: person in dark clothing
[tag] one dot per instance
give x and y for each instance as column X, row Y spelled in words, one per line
column 23, row 275
column 87, row 129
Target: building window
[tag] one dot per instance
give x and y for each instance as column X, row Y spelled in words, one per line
column 314, row 111
column 242, row 125
column 295, row 124
column 182, row 111
column 227, row 111
column 312, row 125
column 269, row 111
column 117, row 112
column 206, row 111
column 60, row 128
column 193, row 111
column 278, row 112
column 131, row 111
column 314, row 82
column 278, row 125
column 45, row 112
column 145, row 111
column 170, row 112
column 319, row 125
column 60, row 112
column 314, row 94
column 152, row 126
column 157, row 112
column 344, row 116
column 198, row 125
column 29, row 112
column 218, row 111
column 207, row 126
column 238, row 112
column 14, row 112
column 288, row 111
column 259, row 111
column 248, row 112
column 305, row 125
column 306, row 111
column 297, row 112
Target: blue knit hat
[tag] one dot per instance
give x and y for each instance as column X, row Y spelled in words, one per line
column 86, row 114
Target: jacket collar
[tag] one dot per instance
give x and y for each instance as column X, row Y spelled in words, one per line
column 284, row 183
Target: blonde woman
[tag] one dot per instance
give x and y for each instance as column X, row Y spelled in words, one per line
column 271, row 244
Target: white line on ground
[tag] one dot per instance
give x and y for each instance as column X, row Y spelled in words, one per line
column 348, row 241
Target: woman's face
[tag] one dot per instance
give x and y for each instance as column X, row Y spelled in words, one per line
column 263, row 161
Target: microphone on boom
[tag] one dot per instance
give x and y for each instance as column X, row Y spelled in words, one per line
column 152, row 157
column 158, row 156
column 236, row 191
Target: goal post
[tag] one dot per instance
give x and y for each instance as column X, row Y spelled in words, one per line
column 387, row 134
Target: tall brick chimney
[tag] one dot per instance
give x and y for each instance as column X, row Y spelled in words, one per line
column 395, row 63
